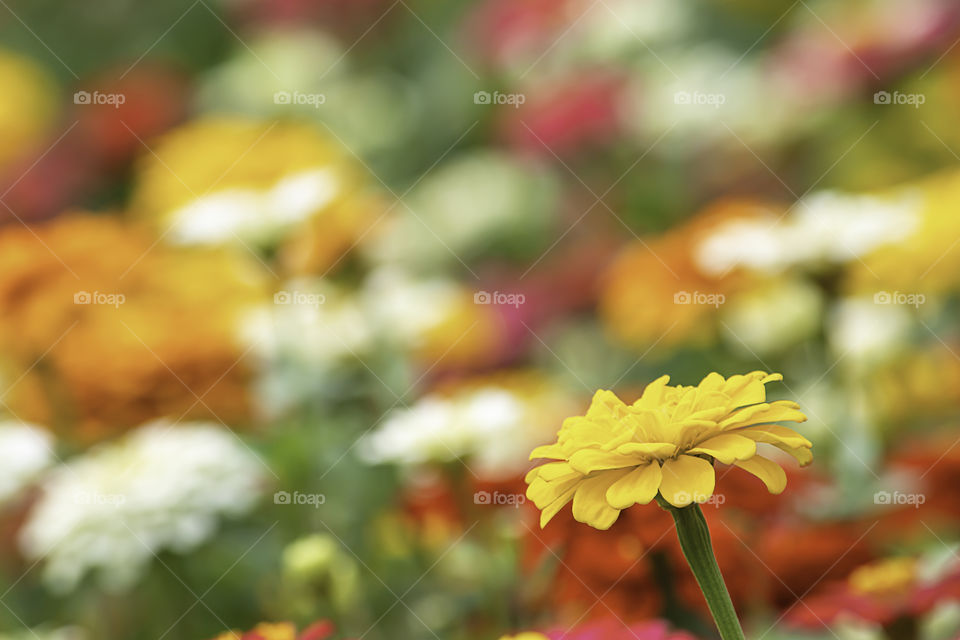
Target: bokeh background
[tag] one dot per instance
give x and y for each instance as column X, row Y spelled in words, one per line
column 289, row 290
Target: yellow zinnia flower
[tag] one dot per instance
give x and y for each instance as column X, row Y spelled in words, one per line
column 666, row 442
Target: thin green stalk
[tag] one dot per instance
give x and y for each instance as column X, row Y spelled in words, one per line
column 695, row 542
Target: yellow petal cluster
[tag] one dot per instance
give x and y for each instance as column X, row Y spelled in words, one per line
column 618, row 455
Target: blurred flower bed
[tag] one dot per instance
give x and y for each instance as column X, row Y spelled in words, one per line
column 290, row 290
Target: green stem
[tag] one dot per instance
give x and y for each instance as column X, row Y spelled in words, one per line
column 695, row 542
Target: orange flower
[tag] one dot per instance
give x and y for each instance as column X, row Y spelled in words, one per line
column 655, row 293
column 637, row 565
column 109, row 329
column 829, row 550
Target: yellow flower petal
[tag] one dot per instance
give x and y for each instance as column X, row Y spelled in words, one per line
column 547, row 451
column 547, row 512
column 605, row 403
column 727, row 447
column 542, row 493
column 802, row 455
column 587, row 460
column 781, row 410
column 687, row 479
column 555, row 470
column 748, row 389
column 712, row 382
column 783, row 438
column 590, row 501
column 654, row 449
column 637, row 487
column 767, row 470
column 774, row 434
column 653, row 393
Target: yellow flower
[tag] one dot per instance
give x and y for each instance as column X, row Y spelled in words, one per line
column 257, row 184
column 891, row 575
column 264, row 630
column 28, row 109
column 666, row 442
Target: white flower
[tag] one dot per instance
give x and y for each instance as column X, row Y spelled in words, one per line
column 252, row 215
column 307, row 336
column 825, row 228
column 490, row 428
column 773, row 318
column 707, row 95
column 25, row 451
column 162, row 486
column 867, row 332
column 615, row 29
column 311, row 321
column 466, row 206
column 403, row 308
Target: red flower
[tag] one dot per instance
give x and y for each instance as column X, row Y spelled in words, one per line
column 567, row 116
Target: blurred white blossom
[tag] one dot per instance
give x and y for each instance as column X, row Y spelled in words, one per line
column 491, row 428
column 774, row 317
column 867, row 332
column 471, row 203
column 113, row 508
column 258, row 216
column 402, row 308
column 25, row 451
column 824, row 228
